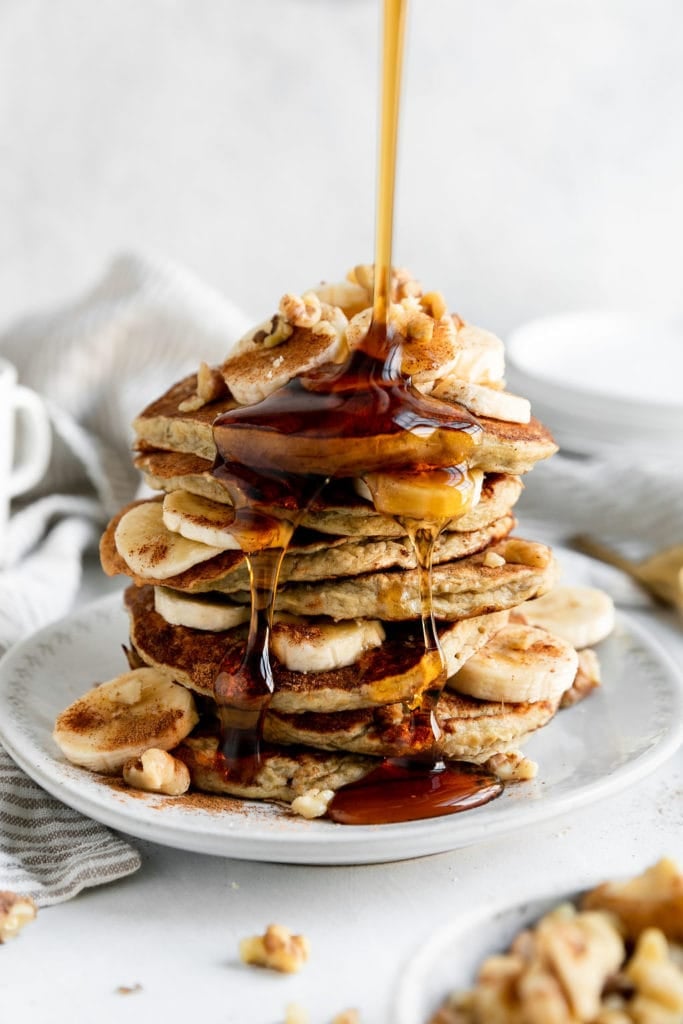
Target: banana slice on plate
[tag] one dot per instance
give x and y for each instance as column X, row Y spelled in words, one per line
column 581, row 615
column 519, row 664
column 120, row 719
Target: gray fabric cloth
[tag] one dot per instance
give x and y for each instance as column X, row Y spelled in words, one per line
column 48, row 851
column 633, row 502
column 96, row 363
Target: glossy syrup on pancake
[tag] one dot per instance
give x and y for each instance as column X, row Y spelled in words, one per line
column 359, row 417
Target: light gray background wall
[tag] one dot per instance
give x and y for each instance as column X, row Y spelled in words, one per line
column 541, row 165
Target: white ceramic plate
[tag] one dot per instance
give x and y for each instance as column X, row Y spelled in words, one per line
column 450, row 958
column 598, row 747
column 595, row 379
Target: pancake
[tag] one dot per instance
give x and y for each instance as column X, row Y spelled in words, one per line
column 396, row 671
column 505, row 447
column 284, row 775
column 460, row 589
column 310, row 556
column 472, row 730
column 338, row 511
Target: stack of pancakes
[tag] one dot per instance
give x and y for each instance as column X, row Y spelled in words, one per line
column 347, row 650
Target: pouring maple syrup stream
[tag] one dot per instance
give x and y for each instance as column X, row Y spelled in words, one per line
column 361, row 417
column 403, row 790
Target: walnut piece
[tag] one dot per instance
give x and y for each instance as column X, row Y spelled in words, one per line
column 525, row 552
column 15, row 912
column 277, row 949
column 300, row 310
column 296, row 1014
column 210, row 386
column 313, row 803
column 658, row 981
column 512, row 766
column 587, row 678
column 157, row 771
column 492, row 560
column 651, row 900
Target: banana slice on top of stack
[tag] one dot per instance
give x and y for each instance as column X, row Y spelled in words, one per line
column 347, row 644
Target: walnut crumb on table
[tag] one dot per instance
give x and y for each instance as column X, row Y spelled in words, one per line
column 278, row 949
column 15, row 912
column 296, row 1014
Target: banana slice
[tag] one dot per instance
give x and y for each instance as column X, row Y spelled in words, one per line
column 120, row 719
column 222, row 526
column 432, row 494
column 304, row 645
column 254, row 374
column 581, row 615
column 480, row 356
column 198, row 612
column 519, row 664
column 199, row 519
column 151, row 550
column 485, row 401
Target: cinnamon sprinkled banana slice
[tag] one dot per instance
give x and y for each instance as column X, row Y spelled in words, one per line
column 519, row 664
column 151, row 550
column 485, row 401
column 120, row 719
column 221, row 526
column 581, row 615
column 306, row 645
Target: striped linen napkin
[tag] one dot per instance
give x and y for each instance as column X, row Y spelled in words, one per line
column 48, row 851
column 96, row 363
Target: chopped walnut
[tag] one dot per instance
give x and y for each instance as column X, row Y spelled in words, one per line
column 157, row 771
column 313, row 803
column 277, row 949
column 301, row 311
column 420, row 326
column 280, row 330
column 296, row 1014
column 512, row 766
column 210, row 386
column 493, row 560
column 587, row 678
column 525, row 552
column 653, row 899
column 657, row 979
column 435, row 304
column 403, row 284
column 15, row 912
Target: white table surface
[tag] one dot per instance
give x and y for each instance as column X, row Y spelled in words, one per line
column 173, row 928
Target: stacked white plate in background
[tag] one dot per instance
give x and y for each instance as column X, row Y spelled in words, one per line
column 603, row 382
